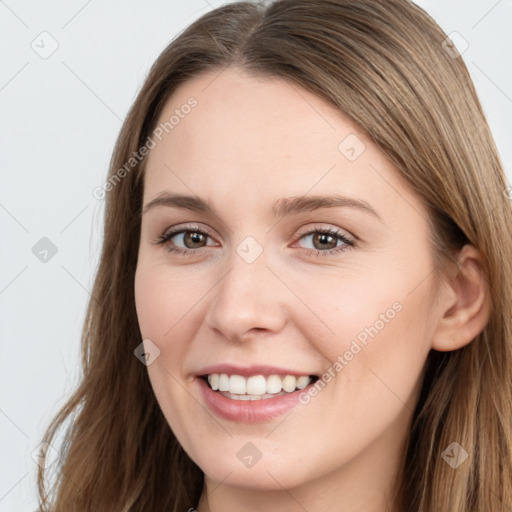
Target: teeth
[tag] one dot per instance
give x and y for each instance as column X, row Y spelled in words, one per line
column 213, row 380
column 251, row 397
column 223, row 382
column 256, row 386
column 274, row 384
column 237, row 385
column 289, row 383
column 302, row 382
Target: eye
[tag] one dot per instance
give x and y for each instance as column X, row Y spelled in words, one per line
column 327, row 241
column 185, row 240
column 192, row 240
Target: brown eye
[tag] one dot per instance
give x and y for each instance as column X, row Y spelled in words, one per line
column 186, row 241
column 326, row 241
column 193, row 239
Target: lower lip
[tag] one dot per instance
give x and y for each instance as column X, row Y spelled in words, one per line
column 249, row 411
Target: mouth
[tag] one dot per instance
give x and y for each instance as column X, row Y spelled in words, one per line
column 252, row 394
column 256, row 387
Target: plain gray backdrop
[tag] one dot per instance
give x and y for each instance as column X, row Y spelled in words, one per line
column 69, row 72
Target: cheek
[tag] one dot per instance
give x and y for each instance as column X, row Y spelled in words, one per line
column 163, row 302
column 380, row 354
column 162, row 312
column 340, row 309
column 374, row 329
column 160, row 305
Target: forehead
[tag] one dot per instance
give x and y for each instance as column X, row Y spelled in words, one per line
column 264, row 138
column 244, row 118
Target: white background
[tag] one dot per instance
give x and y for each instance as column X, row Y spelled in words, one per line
column 58, row 122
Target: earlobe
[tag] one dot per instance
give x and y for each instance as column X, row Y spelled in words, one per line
column 464, row 301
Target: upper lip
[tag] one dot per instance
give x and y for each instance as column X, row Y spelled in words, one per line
column 247, row 371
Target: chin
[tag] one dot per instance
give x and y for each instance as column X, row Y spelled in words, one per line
column 271, row 474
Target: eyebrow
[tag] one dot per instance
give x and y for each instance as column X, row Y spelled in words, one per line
column 281, row 207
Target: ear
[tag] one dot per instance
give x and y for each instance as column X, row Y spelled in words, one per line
column 464, row 300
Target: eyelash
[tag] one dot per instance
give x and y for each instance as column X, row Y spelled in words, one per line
column 165, row 238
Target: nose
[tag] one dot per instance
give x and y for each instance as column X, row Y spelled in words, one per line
column 249, row 299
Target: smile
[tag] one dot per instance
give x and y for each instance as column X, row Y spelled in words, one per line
column 256, row 387
column 251, row 395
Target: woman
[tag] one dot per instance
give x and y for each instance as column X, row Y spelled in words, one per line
column 303, row 300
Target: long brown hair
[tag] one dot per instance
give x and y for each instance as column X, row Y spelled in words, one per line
column 384, row 64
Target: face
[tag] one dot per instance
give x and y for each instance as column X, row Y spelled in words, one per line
column 298, row 253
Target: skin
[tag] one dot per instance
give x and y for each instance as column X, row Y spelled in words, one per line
column 247, row 143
